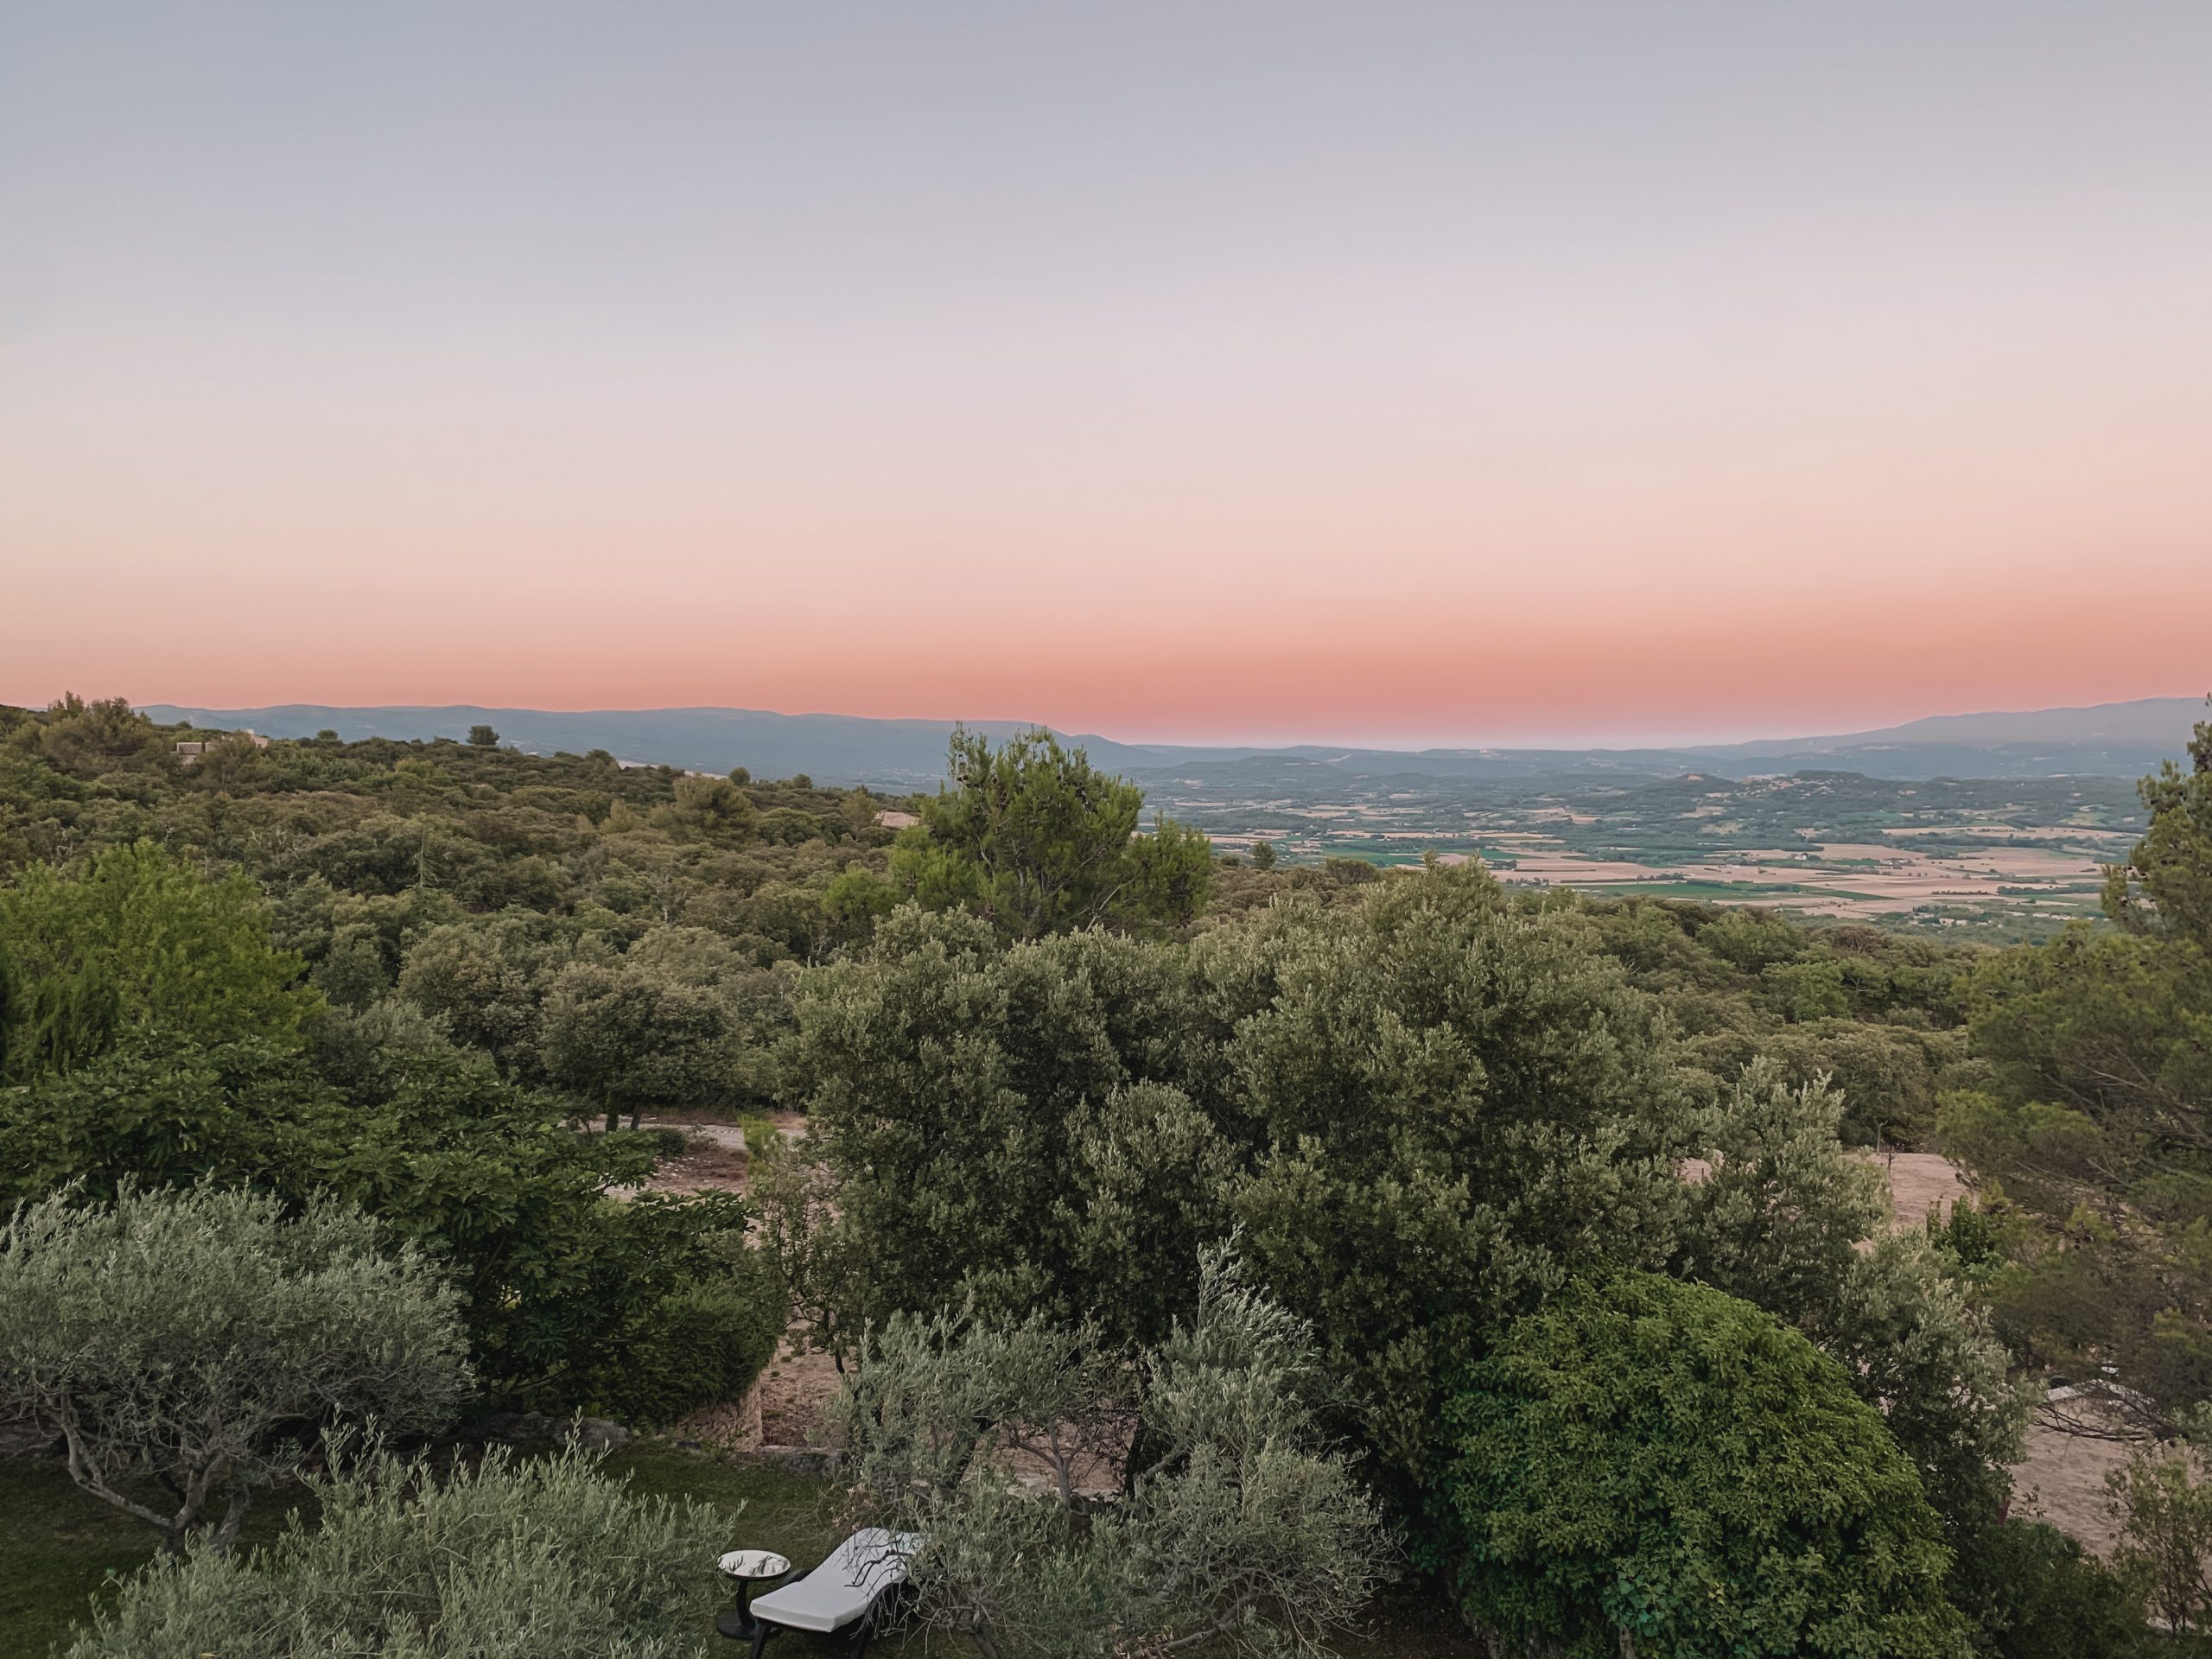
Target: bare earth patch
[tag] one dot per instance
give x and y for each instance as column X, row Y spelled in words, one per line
column 706, row 1168
column 1920, row 1182
column 2062, row 1480
column 793, row 1390
column 728, row 1425
column 2061, row 1477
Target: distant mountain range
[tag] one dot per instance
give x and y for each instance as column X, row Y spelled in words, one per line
column 2113, row 740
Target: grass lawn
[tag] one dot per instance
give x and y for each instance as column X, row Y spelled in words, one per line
column 795, row 1515
column 60, row 1548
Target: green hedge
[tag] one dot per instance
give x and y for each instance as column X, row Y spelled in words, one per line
column 704, row 1343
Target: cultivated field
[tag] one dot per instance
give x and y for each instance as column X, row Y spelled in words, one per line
column 2012, row 856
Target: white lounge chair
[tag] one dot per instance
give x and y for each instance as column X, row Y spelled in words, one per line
column 843, row 1593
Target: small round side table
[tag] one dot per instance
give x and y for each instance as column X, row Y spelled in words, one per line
column 748, row 1569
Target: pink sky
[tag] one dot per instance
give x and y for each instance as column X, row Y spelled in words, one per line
column 1741, row 375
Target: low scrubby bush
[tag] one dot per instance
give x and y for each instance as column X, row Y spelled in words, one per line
column 2034, row 1594
column 548, row 1559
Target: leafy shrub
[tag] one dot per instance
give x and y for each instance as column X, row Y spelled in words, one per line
column 1660, row 1460
column 135, row 938
column 561, row 1290
column 705, row 1341
column 191, row 1335
column 1789, row 1221
column 2037, row 1594
column 1247, row 1530
column 548, row 1559
column 2165, row 1537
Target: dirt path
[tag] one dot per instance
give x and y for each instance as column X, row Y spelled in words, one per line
column 793, row 1390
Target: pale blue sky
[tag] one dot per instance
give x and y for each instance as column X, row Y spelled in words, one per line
column 1547, row 313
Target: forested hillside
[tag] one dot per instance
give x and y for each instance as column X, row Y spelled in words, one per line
column 1311, row 1226
column 630, row 935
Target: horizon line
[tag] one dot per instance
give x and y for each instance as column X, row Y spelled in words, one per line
column 1396, row 743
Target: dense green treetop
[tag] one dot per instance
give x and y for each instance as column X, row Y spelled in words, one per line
column 1037, row 841
column 155, row 944
column 1660, row 1461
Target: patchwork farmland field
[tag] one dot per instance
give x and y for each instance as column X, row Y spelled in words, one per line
column 2008, row 856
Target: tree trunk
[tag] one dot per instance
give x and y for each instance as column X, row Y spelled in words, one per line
column 227, row 1535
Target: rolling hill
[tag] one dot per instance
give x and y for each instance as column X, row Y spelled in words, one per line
column 2120, row 740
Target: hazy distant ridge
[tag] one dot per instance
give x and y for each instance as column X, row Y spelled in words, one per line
column 2116, row 739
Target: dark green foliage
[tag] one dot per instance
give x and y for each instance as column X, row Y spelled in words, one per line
column 630, row 1038
column 69, row 1019
column 138, row 938
column 569, row 1296
column 1037, row 841
column 969, row 1096
column 2095, row 1117
column 366, row 850
column 165, row 1114
column 1786, row 1220
column 1452, row 1106
column 1426, row 1102
column 1878, row 1015
column 1425, row 1112
column 2034, row 1594
column 98, row 739
column 2165, row 889
column 1658, row 1458
column 1335, row 872
column 11, row 1010
column 704, row 1340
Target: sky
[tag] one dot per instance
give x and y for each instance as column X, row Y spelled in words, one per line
column 1390, row 373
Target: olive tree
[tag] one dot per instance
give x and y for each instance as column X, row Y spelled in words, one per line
column 998, row 1445
column 811, row 1247
column 547, row 1557
column 2163, row 1505
column 180, row 1342
column 630, row 1037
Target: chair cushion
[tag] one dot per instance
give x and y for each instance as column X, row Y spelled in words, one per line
column 844, row 1586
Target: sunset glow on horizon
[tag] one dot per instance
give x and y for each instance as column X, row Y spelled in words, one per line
column 1410, row 374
